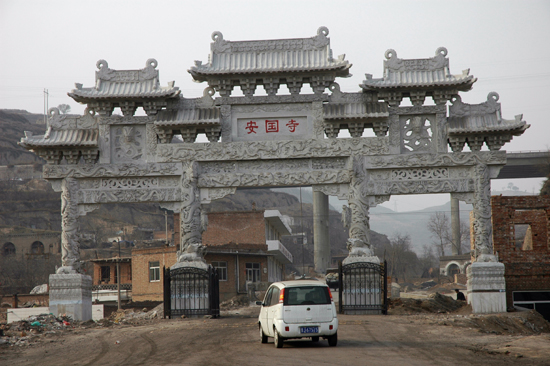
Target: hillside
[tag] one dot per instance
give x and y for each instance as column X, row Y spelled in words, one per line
column 13, row 123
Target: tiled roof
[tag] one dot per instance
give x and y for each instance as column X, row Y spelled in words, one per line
column 270, row 56
column 485, row 117
column 418, row 73
column 110, row 83
column 188, row 116
column 355, row 110
column 59, row 138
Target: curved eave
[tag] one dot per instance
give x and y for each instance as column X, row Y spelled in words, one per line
column 203, row 74
column 376, row 86
column 187, row 123
column 515, row 130
column 62, row 138
column 78, row 96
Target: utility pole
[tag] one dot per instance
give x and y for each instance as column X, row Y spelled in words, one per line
column 118, row 276
column 46, row 105
column 166, row 225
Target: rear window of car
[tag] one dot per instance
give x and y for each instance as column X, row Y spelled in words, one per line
column 306, row 295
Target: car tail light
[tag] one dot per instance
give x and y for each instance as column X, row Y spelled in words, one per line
column 282, row 296
column 330, row 293
column 330, row 327
column 287, row 329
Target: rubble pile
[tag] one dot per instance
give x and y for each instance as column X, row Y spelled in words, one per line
column 515, row 323
column 435, row 303
column 133, row 316
column 235, row 302
column 26, row 332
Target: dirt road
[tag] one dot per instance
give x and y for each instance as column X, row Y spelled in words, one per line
column 234, row 340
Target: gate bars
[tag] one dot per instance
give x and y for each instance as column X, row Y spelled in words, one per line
column 363, row 288
column 191, row 291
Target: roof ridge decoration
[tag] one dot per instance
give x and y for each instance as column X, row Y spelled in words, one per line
column 418, row 78
column 127, row 89
column 270, row 63
column 476, row 124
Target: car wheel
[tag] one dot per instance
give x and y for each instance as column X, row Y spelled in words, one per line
column 333, row 340
column 278, row 339
column 315, row 339
column 263, row 337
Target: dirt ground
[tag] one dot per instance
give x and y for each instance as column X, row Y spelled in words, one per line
column 405, row 337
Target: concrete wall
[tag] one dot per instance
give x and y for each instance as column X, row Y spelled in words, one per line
column 525, row 269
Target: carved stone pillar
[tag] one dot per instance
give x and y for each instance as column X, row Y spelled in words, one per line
column 192, row 223
column 359, row 227
column 70, row 291
column 70, row 251
column 486, row 283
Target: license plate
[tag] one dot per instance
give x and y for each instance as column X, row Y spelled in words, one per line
column 309, row 330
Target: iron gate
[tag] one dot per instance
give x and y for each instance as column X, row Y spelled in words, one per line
column 363, row 288
column 191, row 291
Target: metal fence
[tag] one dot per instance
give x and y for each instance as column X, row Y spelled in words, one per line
column 191, row 292
column 363, row 288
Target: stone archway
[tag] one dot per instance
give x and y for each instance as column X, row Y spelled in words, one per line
column 278, row 140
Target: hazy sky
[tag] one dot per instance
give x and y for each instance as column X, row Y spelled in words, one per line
column 53, row 44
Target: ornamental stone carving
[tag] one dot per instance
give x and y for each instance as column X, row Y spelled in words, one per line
column 192, row 222
column 482, row 215
column 70, row 246
column 273, row 149
column 111, row 170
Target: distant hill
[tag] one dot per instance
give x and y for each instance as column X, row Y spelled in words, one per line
column 13, row 123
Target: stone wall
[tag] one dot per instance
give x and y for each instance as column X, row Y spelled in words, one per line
column 526, row 260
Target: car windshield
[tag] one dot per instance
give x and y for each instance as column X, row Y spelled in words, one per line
column 306, row 295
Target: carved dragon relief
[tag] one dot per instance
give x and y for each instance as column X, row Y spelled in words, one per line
column 482, row 215
column 70, row 246
column 110, row 170
column 192, row 222
column 273, row 149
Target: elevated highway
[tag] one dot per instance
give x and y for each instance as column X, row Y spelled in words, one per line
column 526, row 164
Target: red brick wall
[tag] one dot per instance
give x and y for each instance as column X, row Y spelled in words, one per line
column 524, row 269
column 125, row 272
column 237, row 227
column 142, row 288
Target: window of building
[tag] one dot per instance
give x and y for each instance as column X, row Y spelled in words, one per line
column 8, row 249
column 154, row 271
column 37, row 248
column 221, row 267
column 105, row 274
column 523, row 236
column 253, row 272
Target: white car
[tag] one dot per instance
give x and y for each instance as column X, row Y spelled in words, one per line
column 298, row 309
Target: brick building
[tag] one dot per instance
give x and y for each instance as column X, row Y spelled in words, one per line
column 24, row 241
column 521, row 228
column 245, row 247
column 105, row 279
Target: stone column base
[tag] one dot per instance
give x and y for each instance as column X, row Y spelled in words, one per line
column 71, row 294
column 486, row 287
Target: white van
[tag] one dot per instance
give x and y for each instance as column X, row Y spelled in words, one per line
column 298, row 309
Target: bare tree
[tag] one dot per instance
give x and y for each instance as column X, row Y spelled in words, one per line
column 439, row 227
column 64, row 108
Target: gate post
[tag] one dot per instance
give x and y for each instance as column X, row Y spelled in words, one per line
column 167, row 293
column 340, row 285
column 385, row 279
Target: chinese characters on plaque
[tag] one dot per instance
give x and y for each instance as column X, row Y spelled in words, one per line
column 271, row 126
